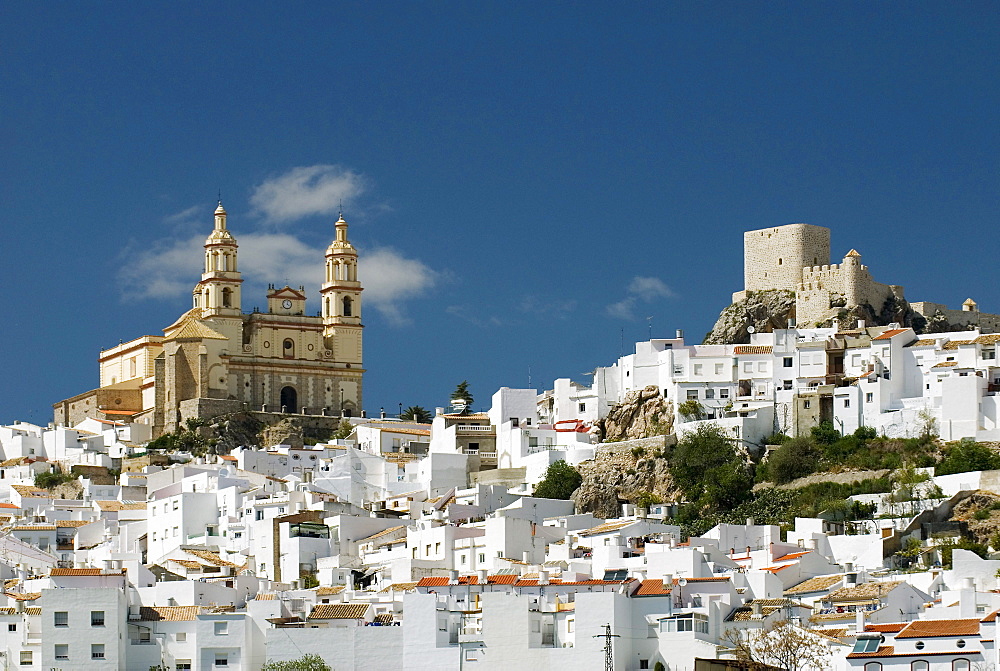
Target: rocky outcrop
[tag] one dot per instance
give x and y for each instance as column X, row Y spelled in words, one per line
column 643, row 413
column 763, row 310
column 622, row 472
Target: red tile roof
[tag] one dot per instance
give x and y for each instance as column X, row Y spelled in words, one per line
column 890, row 333
column 890, row 628
column 931, row 628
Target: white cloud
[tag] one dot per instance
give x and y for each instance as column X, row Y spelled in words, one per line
column 649, row 288
column 304, row 191
column 168, row 269
column 640, row 289
column 390, row 278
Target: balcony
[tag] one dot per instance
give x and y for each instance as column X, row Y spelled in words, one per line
column 473, row 428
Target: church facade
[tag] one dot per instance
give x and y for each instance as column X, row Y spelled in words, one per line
column 217, row 359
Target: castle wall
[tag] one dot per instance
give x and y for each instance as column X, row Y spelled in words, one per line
column 987, row 323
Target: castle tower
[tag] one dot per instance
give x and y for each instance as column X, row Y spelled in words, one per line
column 773, row 258
column 852, row 282
column 218, row 292
column 341, row 298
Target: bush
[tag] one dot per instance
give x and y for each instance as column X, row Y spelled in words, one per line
column 968, row 455
column 825, row 433
column 560, row 481
column 796, row 458
column 49, row 480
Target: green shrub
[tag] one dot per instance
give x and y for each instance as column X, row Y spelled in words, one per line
column 967, row 455
column 49, row 480
column 796, row 458
column 706, row 468
column 560, row 481
column 825, row 433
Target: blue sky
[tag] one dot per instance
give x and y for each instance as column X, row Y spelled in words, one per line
column 528, row 182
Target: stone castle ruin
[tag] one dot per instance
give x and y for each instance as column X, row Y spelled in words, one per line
column 795, row 260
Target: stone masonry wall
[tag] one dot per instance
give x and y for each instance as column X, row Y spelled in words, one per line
column 773, row 258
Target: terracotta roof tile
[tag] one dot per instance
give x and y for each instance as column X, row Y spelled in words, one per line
column 955, row 344
column 84, row 571
column 168, row 613
column 399, row 587
column 652, row 587
column 24, row 596
column 66, row 524
column 887, row 335
column 883, row 651
column 114, row 506
column 329, row 591
column 752, row 349
column 384, row 532
column 605, row 528
column 816, row 584
column 931, row 628
column 888, row 628
column 868, row 590
column 945, row 364
column 210, row 557
column 339, row 611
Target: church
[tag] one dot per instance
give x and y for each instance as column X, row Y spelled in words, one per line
column 216, row 359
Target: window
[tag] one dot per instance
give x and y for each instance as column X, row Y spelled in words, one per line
column 718, row 369
column 687, row 622
column 919, row 665
column 26, row 658
column 748, row 366
column 514, row 422
column 569, row 625
column 961, row 642
column 847, row 403
column 182, row 636
column 222, row 628
column 60, row 618
column 723, row 393
column 697, row 369
column 221, row 659
column 919, row 645
column 960, row 665
column 461, row 560
column 873, row 666
column 869, row 397
column 62, row 651
column 97, row 651
column 175, row 504
column 643, row 663
column 787, row 362
column 12, row 626
column 709, row 393
column 482, row 557
column 183, row 665
column 583, row 407
column 805, row 405
column 692, row 394
column 786, row 384
column 437, row 548
column 427, row 550
column 761, row 366
column 97, row 618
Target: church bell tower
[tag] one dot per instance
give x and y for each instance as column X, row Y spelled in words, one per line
column 341, row 298
column 218, row 292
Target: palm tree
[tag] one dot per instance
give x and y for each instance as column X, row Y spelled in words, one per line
column 416, row 413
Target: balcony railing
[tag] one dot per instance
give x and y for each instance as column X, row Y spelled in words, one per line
column 474, row 428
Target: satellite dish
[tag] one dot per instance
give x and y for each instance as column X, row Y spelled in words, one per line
column 751, row 329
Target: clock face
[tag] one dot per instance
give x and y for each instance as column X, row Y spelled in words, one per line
column 286, row 304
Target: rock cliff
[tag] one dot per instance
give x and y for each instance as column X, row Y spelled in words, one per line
column 622, row 472
column 764, row 310
column 643, row 413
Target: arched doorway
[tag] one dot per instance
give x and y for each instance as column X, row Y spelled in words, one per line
column 289, row 399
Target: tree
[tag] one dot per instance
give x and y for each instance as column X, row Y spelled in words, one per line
column 691, row 409
column 303, row 663
column 708, row 470
column 782, row 644
column 462, row 392
column 560, row 481
column 416, row 413
column 825, row 433
column 344, row 429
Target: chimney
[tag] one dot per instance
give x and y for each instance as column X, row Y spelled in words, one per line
column 483, row 576
column 970, row 583
column 859, row 621
column 438, row 411
column 526, row 557
column 453, row 577
column 758, row 610
column 543, row 577
column 668, row 580
column 679, row 335
column 861, row 324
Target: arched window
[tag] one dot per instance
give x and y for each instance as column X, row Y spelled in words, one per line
column 347, row 306
column 960, row 665
column 327, row 310
column 289, row 400
column 227, row 298
column 288, row 348
column 873, row 666
column 919, row 665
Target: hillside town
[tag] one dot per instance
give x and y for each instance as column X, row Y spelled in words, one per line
column 819, row 491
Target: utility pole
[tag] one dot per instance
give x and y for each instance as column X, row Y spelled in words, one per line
column 609, row 658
